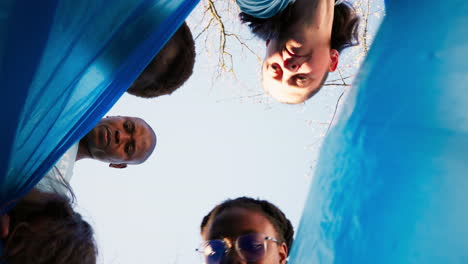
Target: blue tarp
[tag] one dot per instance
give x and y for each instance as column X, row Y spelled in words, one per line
column 63, row 64
column 392, row 181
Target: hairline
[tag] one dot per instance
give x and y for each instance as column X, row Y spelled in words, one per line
column 152, row 146
column 247, row 205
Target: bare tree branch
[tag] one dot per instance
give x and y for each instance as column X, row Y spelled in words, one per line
column 217, row 32
column 342, row 79
column 252, row 96
column 366, row 20
column 243, row 44
column 335, row 111
column 204, row 29
column 336, row 84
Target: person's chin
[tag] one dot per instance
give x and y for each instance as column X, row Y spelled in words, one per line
column 101, row 155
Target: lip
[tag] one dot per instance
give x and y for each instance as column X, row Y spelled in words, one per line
column 108, row 136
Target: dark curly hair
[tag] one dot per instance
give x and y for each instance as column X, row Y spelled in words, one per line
column 155, row 80
column 46, row 230
column 344, row 30
column 277, row 218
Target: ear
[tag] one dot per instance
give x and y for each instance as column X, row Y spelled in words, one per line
column 334, row 58
column 118, row 166
column 4, row 226
column 283, row 253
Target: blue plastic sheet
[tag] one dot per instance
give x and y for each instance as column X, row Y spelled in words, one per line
column 392, row 181
column 63, row 64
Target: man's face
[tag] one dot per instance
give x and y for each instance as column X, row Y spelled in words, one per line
column 121, row 140
column 235, row 222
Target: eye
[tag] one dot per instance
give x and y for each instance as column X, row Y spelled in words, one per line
column 258, row 245
column 301, row 80
column 275, row 69
column 129, row 149
column 129, row 126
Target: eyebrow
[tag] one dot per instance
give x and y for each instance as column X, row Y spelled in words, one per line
column 133, row 137
column 132, row 123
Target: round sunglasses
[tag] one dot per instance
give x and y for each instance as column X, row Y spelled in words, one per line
column 250, row 247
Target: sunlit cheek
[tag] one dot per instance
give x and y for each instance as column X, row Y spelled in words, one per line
column 266, row 84
column 271, row 256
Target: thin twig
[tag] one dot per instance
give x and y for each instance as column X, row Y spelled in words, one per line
column 336, row 110
column 204, row 29
column 245, row 45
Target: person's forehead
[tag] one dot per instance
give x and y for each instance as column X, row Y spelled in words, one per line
column 239, row 221
column 144, row 139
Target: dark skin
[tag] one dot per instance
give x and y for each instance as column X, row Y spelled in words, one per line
column 118, row 140
column 235, row 222
column 157, row 68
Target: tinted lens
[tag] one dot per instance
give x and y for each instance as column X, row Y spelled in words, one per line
column 251, row 247
column 214, row 251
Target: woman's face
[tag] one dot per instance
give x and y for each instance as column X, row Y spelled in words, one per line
column 235, row 222
column 294, row 69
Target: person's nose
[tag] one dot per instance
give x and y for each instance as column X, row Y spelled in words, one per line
column 291, row 63
column 231, row 257
column 121, row 137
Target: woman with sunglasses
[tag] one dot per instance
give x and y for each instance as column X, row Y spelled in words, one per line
column 304, row 39
column 246, row 230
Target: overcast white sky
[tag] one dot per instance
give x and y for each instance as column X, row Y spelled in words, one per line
column 210, row 147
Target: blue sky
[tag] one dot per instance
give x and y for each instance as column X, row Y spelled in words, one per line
column 212, row 145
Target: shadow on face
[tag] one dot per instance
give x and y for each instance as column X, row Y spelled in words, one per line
column 121, row 140
column 236, row 222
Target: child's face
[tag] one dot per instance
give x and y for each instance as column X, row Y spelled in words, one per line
column 235, row 222
column 292, row 71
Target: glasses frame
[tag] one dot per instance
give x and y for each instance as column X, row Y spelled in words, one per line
column 228, row 245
